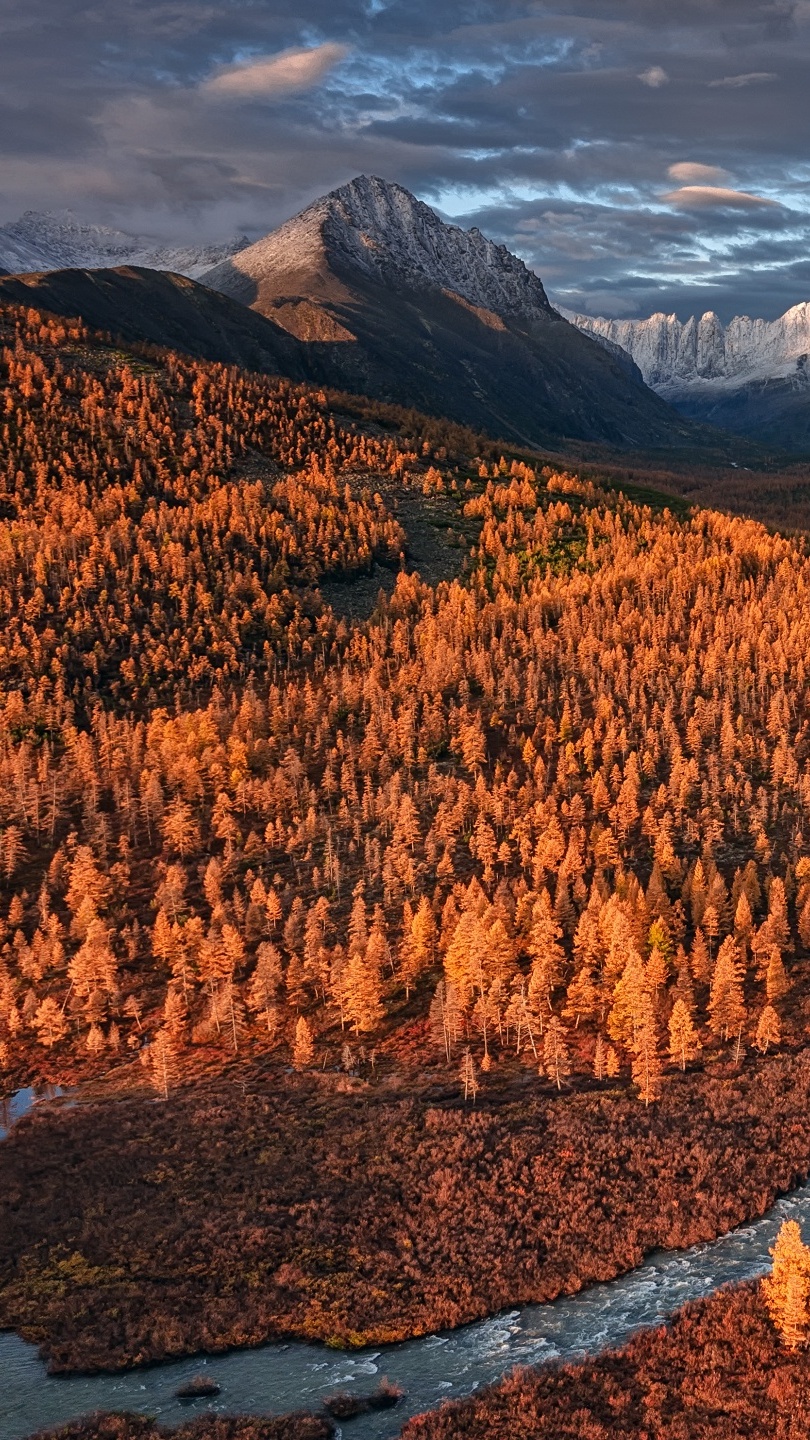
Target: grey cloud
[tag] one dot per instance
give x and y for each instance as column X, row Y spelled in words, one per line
column 530, row 117
column 738, row 82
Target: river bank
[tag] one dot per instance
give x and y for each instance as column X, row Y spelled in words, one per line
column 136, row 1232
column 718, row 1373
column 598, row 1322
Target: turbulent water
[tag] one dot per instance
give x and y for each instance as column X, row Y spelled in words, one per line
column 277, row 1378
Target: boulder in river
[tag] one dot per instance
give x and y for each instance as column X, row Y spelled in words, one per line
column 199, row 1388
column 345, row 1406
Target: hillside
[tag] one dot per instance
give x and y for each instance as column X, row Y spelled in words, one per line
column 520, row 853
column 157, row 308
column 405, row 308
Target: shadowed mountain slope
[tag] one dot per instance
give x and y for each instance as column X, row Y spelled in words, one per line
column 407, row 309
column 159, row 308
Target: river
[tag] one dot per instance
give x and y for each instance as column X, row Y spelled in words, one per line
column 277, row 1378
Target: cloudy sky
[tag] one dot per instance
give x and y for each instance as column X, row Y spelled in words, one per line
column 640, row 154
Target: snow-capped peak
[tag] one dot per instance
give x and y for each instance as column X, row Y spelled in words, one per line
column 57, row 240
column 672, row 354
column 382, row 230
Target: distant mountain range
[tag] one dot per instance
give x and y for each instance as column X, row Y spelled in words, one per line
column 750, row 376
column 56, row 240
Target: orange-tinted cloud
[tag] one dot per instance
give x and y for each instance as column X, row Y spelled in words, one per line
column 269, row 76
column 704, row 197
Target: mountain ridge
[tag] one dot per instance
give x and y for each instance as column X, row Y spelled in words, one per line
column 750, row 376
column 671, row 352
column 42, row 241
column 421, row 313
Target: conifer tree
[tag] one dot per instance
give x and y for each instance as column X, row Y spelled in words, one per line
column 769, row 1031
column 303, row 1046
column 363, row 991
column 726, row 1003
column 544, row 946
column 776, row 980
column 418, row 942
column 684, row 1043
column 265, row 983
column 175, row 1015
column 743, row 922
column 232, row 1011
column 49, row 1023
column 94, row 1040
column 556, row 1058
column 160, row 1060
column 647, row 1066
column 438, row 1023
column 581, row 997
column 778, row 926
column 628, row 1001
column 787, row 1289
column 519, row 1016
column 700, row 960
column 612, row 1063
column 468, row 1076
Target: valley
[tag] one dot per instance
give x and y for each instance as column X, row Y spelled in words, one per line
column 402, row 818
column 749, row 377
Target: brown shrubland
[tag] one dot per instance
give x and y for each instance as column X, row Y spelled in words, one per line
column 130, row 1232
column 718, row 1372
column 203, row 1427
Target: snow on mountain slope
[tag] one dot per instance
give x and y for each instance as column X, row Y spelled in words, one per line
column 703, row 354
column 58, row 241
column 382, row 230
column 751, row 377
column 389, row 300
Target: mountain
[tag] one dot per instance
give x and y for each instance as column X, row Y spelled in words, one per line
column 161, row 309
column 750, row 376
column 56, row 240
column 396, row 304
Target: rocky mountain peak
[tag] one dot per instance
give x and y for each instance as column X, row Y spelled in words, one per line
column 702, row 351
column 381, row 230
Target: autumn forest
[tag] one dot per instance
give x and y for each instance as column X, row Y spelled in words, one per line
column 560, row 799
column 446, row 880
